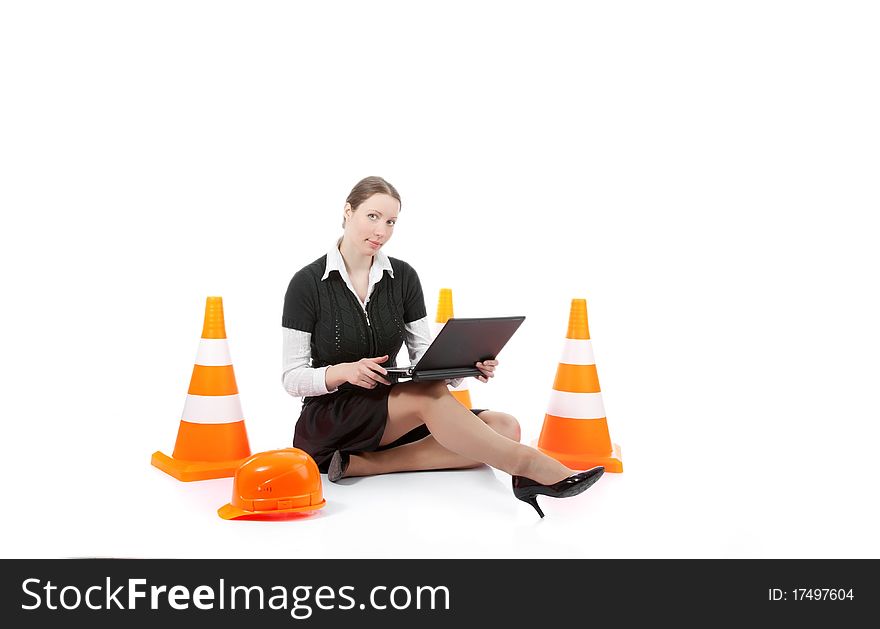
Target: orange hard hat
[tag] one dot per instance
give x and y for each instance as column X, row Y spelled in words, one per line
column 274, row 483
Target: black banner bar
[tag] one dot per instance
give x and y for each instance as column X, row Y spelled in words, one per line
column 524, row 592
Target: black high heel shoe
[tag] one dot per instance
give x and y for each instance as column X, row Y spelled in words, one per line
column 338, row 466
column 528, row 490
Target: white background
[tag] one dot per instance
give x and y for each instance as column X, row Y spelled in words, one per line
column 703, row 173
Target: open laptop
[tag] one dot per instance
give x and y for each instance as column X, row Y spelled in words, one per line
column 458, row 347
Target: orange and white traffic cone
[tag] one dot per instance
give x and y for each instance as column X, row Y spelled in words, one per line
column 444, row 314
column 575, row 430
column 211, row 441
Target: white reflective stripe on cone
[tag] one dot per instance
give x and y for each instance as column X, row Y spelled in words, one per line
column 576, row 405
column 212, row 409
column 213, row 353
column 578, row 352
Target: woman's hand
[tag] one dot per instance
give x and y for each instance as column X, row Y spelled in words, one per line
column 488, row 369
column 367, row 372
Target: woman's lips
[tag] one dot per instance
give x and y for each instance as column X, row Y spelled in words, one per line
column 374, row 244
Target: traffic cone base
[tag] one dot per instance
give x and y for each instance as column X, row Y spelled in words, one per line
column 187, row 471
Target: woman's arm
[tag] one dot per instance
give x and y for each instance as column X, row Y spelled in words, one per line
column 301, row 380
column 298, row 377
column 417, row 336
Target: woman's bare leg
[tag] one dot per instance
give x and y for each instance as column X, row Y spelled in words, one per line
column 457, row 429
column 427, row 453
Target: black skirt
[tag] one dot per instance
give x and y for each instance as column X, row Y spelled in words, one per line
column 351, row 420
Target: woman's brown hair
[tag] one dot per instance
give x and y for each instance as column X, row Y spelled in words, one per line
column 367, row 187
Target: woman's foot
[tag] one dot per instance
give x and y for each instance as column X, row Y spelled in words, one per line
column 540, row 467
column 338, row 466
column 528, row 490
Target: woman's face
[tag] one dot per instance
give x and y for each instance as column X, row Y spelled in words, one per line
column 371, row 224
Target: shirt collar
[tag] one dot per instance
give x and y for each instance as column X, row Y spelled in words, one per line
column 381, row 263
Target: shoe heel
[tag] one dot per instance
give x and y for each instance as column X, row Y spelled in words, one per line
column 338, row 466
column 533, row 500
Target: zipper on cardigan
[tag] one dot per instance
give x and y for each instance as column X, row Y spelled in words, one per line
column 370, row 330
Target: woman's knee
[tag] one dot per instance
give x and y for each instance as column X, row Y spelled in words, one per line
column 502, row 423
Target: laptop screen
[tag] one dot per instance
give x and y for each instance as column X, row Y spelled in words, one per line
column 463, row 342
